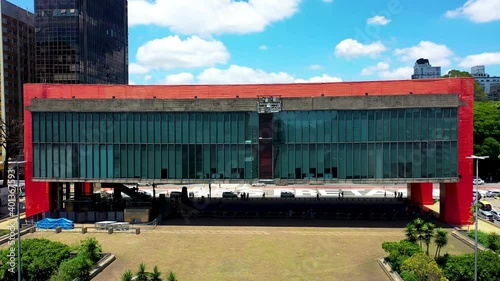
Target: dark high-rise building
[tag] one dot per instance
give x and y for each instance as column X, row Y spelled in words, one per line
column 17, row 56
column 81, row 41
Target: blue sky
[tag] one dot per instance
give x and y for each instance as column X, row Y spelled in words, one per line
column 277, row 41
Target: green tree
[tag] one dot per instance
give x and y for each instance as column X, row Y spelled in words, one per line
column 493, row 242
column 411, row 233
column 92, row 247
column 11, row 139
column 487, row 135
column 479, row 93
column 141, row 274
column 419, row 224
column 156, row 274
column 171, row 277
column 427, row 234
column 127, row 276
column 78, row 267
column 40, row 258
column 441, row 240
column 461, row 267
column 423, row 268
column 399, row 252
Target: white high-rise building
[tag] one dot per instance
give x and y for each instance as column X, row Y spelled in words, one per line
column 423, row 69
column 484, row 79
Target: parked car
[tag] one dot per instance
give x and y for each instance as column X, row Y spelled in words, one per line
column 485, row 206
column 287, row 194
column 496, row 215
column 229, row 194
column 486, row 215
column 175, row 194
column 478, row 181
column 493, row 193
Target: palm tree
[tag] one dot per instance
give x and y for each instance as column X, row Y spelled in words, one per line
column 127, row 276
column 427, row 234
column 142, row 275
column 171, row 277
column 156, row 274
column 411, row 233
column 419, row 224
column 441, row 239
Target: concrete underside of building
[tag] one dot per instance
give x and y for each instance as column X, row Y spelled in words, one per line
column 413, row 131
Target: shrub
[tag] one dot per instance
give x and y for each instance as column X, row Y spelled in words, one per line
column 399, row 252
column 40, row 259
column 489, row 240
column 77, row 267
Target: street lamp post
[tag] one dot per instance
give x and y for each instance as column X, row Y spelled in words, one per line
column 18, row 219
column 477, row 158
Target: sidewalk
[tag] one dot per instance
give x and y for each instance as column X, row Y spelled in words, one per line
column 5, row 223
column 482, row 225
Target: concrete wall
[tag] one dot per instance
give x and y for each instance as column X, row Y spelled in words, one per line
column 247, row 104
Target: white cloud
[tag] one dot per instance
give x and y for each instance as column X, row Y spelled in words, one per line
column 211, row 17
column 401, row 73
column 351, row 48
column 381, row 66
column 263, row 47
column 173, row 52
column 382, row 70
column 319, row 79
column 378, row 20
column 328, row 1
column 242, row 75
column 135, row 68
column 481, row 59
column 180, row 78
column 315, row 67
column 235, row 74
column 479, row 11
column 148, row 77
column 438, row 54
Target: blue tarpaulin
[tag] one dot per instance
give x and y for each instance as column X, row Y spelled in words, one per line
column 54, row 223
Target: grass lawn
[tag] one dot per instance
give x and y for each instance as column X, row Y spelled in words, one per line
column 250, row 253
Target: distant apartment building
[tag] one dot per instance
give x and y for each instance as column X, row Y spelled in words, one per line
column 18, row 60
column 423, row 70
column 494, row 93
column 489, row 83
column 81, row 41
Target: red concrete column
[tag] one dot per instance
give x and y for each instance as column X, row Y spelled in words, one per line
column 88, row 188
column 420, row 193
column 455, row 203
column 37, row 197
column 456, row 198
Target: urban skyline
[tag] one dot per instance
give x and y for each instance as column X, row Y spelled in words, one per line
column 381, row 41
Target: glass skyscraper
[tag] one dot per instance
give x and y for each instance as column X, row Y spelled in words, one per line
column 81, row 41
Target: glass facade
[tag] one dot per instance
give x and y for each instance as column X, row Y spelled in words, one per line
column 370, row 144
column 81, row 41
column 306, row 145
column 145, row 145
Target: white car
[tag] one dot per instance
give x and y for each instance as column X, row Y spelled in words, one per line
column 493, row 193
column 486, row 215
column 495, row 214
column 477, row 181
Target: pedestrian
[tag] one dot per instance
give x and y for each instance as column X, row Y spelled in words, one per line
column 395, row 194
column 385, row 194
column 342, row 194
column 317, row 196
